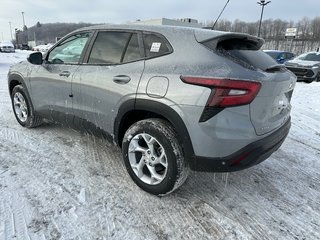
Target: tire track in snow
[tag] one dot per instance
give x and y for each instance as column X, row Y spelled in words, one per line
column 14, row 212
column 39, row 153
column 13, row 137
column 217, row 205
column 39, row 221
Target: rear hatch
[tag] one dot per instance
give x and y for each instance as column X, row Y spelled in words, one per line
column 271, row 107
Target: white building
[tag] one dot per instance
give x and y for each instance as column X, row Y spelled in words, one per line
column 184, row 22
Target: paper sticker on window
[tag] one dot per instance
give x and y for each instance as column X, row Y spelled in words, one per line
column 155, row 47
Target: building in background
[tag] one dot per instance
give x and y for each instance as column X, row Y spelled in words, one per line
column 183, row 22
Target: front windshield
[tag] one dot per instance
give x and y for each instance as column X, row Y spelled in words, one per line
column 310, row 57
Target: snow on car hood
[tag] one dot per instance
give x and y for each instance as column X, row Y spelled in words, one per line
column 302, row 63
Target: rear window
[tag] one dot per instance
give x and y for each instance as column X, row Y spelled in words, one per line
column 133, row 50
column 156, row 45
column 115, row 48
column 253, row 58
column 242, row 51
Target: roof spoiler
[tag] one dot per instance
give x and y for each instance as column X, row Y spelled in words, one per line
column 230, row 41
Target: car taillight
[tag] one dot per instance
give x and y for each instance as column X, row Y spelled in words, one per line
column 224, row 93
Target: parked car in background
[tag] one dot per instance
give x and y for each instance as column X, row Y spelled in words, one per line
column 6, row 46
column 306, row 67
column 24, row 47
column 42, row 48
column 172, row 98
column 280, row 56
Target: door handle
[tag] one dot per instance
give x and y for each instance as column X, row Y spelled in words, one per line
column 121, row 79
column 64, row 74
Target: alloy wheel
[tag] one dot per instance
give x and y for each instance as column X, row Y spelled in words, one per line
column 147, row 159
column 20, row 107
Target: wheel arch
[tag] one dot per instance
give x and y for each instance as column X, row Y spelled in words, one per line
column 136, row 110
column 14, row 80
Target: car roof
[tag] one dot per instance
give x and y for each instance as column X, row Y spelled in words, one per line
column 200, row 33
column 133, row 27
column 311, row 52
column 276, row 51
column 6, row 42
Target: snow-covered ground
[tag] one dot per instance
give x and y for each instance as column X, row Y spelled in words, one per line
column 56, row 183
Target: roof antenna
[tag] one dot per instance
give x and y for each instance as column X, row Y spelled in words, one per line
column 220, row 15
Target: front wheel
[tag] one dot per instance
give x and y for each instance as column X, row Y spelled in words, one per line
column 154, row 157
column 22, row 108
column 309, row 81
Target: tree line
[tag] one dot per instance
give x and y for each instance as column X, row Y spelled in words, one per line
column 272, row 30
column 47, row 32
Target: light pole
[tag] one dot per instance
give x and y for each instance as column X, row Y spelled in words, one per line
column 23, row 20
column 262, row 3
column 10, row 30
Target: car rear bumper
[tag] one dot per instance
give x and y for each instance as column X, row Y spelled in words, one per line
column 246, row 157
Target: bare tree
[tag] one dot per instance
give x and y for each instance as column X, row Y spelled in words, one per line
column 273, row 31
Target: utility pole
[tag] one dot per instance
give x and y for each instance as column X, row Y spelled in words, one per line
column 10, row 31
column 262, row 3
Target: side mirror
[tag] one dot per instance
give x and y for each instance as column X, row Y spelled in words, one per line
column 35, row 58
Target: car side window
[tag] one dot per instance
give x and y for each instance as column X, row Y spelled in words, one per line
column 289, row 55
column 133, row 52
column 156, row 45
column 113, row 47
column 70, row 50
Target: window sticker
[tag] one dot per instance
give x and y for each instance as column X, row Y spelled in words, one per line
column 155, row 47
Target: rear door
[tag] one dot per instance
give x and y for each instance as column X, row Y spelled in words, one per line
column 51, row 81
column 109, row 77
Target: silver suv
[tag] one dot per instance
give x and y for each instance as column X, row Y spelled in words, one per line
column 172, row 98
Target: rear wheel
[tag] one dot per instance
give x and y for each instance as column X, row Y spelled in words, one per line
column 153, row 156
column 23, row 109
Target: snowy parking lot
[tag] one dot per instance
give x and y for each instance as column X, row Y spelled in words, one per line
column 57, row 183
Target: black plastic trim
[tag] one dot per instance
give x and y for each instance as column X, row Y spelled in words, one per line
column 161, row 110
column 18, row 78
column 209, row 112
column 124, row 109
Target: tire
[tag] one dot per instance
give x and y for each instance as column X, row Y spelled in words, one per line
column 154, row 157
column 23, row 109
column 309, row 80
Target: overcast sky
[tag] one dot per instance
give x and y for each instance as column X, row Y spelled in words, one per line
column 122, row 11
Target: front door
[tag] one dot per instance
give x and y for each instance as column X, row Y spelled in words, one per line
column 109, row 78
column 51, row 81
